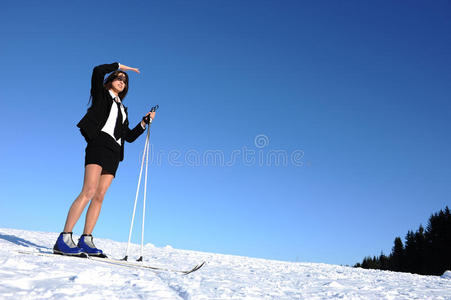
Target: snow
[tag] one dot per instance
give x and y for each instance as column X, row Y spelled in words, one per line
column 28, row 276
column 447, row 275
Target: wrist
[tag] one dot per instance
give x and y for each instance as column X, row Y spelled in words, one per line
column 147, row 119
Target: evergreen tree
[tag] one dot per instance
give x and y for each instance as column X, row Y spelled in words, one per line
column 438, row 241
column 424, row 251
column 419, row 266
column 410, row 253
column 397, row 256
column 384, row 263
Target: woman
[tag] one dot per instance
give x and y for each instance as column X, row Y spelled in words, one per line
column 105, row 128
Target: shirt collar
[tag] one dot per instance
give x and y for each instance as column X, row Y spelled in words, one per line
column 114, row 96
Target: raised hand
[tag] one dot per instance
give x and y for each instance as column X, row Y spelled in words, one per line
column 126, row 68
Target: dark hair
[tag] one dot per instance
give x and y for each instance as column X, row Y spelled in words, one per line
column 111, row 78
column 107, row 85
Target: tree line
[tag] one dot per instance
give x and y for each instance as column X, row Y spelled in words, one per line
column 426, row 252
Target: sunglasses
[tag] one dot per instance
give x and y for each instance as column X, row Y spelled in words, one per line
column 121, row 78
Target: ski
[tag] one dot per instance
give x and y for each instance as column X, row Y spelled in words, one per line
column 118, row 262
column 144, row 266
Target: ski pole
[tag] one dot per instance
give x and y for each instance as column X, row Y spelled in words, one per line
column 144, row 198
column 136, row 199
column 146, row 156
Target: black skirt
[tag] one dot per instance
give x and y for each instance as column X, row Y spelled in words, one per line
column 105, row 152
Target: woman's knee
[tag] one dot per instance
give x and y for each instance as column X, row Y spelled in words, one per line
column 88, row 192
column 102, row 188
column 98, row 197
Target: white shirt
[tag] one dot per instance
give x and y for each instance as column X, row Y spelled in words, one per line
column 111, row 121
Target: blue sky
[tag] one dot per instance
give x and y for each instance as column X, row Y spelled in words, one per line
column 352, row 97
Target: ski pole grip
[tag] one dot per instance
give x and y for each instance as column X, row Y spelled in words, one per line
column 154, row 108
column 146, row 119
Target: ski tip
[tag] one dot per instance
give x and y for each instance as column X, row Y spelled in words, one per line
column 195, row 268
column 201, row 265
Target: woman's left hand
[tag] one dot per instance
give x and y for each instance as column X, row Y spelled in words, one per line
column 151, row 115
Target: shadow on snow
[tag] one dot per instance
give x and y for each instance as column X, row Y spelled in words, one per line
column 19, row 241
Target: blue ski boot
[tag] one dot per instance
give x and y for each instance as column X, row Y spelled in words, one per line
column 65, row 246
column 86, row 243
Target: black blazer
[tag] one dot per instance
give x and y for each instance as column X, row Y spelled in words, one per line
column 94, row 120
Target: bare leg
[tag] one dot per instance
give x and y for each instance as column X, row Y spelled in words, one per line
column 96, row 203
column 90, row 184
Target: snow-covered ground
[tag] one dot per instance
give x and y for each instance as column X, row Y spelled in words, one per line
column 27, row 276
